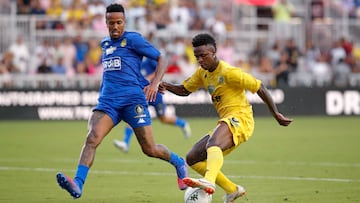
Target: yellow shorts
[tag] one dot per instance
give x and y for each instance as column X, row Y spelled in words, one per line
column 241, row 128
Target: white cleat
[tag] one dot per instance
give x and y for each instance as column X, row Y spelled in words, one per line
column 187, row 130
column 121, row 145
column 230, row 198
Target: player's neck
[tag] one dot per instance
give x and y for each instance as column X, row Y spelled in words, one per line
column 215, row 65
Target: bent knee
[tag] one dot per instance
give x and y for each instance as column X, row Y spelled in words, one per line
column 191, row 159
column 149, row 151
column 93, row 139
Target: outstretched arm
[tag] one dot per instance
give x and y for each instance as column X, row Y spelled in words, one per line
column 266, row 97
column 175, row 89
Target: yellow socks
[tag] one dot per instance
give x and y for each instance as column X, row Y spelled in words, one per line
column 221, row 180
column 214, row 174
column 215, row 161
column 225, row 183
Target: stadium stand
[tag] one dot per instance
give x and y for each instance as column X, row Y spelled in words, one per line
column 49, row 29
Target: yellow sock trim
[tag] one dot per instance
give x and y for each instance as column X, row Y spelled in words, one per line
column 215, row 161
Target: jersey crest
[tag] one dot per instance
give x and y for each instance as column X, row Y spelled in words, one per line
column 221, row 80
column 123, row 43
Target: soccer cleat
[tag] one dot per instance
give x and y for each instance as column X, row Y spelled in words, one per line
column 121, row 145
column 69, row 185
column 207, row 186
column 187, row 130
column 182, row 173
column 230, row 198
column 181, row 184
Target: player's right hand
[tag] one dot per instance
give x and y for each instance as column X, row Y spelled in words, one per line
column 282, row 120
column 162, row 87
column 150, row 92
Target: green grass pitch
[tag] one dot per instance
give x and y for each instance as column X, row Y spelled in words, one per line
column 315, row 159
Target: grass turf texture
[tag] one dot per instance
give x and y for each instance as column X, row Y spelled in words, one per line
column 316, row 159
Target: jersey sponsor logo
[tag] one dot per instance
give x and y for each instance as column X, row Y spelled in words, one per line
column 110, row 50
column 112, row 63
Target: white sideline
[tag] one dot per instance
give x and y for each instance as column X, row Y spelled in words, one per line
column 230, row 162
column 227, row 162
column 9, row 168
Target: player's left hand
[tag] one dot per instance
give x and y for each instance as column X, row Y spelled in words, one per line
column 150, row 92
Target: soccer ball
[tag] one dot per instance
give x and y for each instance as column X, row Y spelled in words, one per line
column 196, row 195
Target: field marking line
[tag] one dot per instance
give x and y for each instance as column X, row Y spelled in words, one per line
column 107, row 172
column 230, row 162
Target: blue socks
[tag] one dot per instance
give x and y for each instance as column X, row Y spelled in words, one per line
column 180, row 122
column 128, row 134
column 81, row 174
column 179, row 164
column 176, row 160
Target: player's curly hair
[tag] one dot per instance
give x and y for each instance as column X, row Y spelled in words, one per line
column 203, row 39
column 115, row 8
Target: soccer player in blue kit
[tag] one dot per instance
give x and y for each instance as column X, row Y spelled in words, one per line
column 148, row 68
column 123, row 96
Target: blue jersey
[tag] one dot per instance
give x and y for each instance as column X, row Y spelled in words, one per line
column 121, row 93
column 121, row 60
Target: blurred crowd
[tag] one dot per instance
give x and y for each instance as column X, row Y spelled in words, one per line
column 143, row 15
column 78, row 54
column 75, row 54
column 328, row 67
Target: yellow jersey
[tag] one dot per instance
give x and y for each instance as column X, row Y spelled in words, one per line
column 227, row 86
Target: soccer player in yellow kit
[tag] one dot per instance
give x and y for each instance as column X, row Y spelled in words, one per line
column 227, row 86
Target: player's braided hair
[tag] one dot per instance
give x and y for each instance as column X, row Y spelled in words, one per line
column 203, row 39
column 115, row 8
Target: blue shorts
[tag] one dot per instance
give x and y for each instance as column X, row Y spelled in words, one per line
column 159, row 105
column 136, row 115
